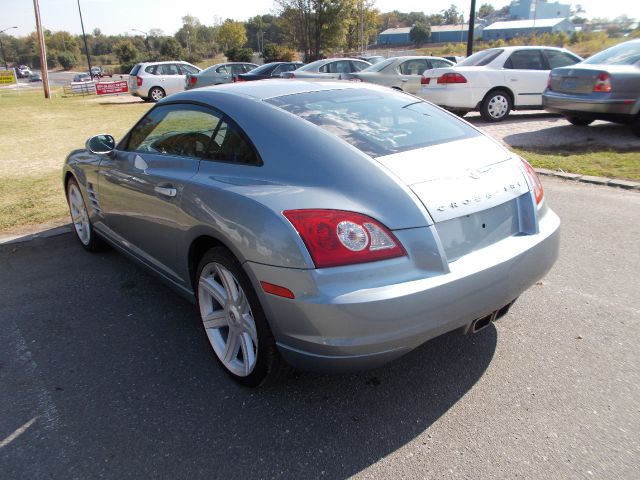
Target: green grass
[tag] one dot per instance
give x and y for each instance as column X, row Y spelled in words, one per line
column 605, row 163
column 35, row 137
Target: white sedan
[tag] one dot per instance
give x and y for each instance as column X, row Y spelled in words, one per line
column 401, row 73
column 495, row 81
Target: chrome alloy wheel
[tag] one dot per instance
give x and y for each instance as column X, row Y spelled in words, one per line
column 227, row 319
column 498, row 106
column 156, row 94
column 79, row 214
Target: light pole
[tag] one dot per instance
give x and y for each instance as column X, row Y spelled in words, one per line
column 84, row 36
column 146, row 41
column 2, row 47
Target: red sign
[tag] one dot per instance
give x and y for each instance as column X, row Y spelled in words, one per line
column 109, row 88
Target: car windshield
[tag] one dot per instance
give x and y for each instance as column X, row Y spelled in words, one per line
column 623, row 54
column 312, row 66
column 377, row 123
column 376, row 67
column 481, row 58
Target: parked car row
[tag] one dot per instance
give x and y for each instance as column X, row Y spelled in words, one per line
column 493, row 81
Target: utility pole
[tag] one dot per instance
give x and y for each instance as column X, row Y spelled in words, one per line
column 472, row 25
column 43, row 51
column 84, row 36
column 4, row 57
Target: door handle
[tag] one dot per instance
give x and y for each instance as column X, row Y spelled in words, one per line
column 166, row 191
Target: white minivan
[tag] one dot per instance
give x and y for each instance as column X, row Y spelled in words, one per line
column 153, row 81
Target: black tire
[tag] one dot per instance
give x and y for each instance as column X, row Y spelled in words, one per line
column 80, row 220
column 267, row 358
column 579, row 121
column 156, row 94
column 496, row 106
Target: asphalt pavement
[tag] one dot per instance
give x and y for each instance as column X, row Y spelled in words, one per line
column 105, row 373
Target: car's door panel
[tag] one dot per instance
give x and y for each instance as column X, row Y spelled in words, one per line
column 526, row 73
column 140, row 200
column 140, row 184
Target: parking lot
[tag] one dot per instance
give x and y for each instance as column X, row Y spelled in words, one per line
column 104, row 373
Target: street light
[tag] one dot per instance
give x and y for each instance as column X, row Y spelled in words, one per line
column 146, row 40
column 2, row 47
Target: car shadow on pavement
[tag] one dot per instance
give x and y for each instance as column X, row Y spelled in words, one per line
column 514, row 117
column 122, row 383
column 569, row 138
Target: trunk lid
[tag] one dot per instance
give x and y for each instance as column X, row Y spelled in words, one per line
column 474, row 191
column 473, row 174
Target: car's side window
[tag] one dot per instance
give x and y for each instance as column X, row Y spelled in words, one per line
column 358, row 66
column 151, row 69
column 529, row 59
column 167, row 69
column 222, row 69
column 229, row 144
column 439, row 64
column 279, row 69
column 187, row 69
column 413, row 67
column 182, row 130
column 560, row 59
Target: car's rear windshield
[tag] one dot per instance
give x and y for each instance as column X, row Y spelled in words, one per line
column 482, row 58
column 262, row 68
column 376, row 122
column 134, row 70
column 376, row 67
column 623, row 54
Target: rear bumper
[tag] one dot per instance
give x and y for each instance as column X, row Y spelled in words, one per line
column 350, row 327
column 623, row 110
column 453, row 97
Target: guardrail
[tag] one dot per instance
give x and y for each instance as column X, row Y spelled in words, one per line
column 80, row 88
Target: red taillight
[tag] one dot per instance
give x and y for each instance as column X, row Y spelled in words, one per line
column 603, row 83
column 192, row 80
column 538, row 191
column 139, row 81
column 336, row 237
column 277, row 290
column 293, row 75
column 452, row 78
column 238, row 79
column 425, row 80
column 549, row 82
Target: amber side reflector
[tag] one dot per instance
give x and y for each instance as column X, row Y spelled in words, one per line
column 277, row 290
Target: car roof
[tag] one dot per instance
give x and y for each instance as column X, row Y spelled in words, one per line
column 165, row 61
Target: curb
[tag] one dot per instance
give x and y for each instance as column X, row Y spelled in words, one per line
column 52, row 232
column 604, row 181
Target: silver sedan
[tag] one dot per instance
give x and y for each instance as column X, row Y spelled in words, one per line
column 333, row 225
column 401, row 73
column 217, row 74
column 328, row 69
column 606, row 86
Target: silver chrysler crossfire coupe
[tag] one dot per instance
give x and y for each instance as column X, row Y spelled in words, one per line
column 334, row 226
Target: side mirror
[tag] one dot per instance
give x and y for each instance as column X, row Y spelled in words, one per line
column 101, row 144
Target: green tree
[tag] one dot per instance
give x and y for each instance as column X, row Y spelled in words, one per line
column 277, row 53
column 231, row 34
column 316, row 26
column 485, row 10
column 452, row 15
column 420, row 34
column 170, row 49
column 238, row 54
column 126, row 52
column 67, row 60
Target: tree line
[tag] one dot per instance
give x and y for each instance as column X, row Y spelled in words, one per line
column 315, row 28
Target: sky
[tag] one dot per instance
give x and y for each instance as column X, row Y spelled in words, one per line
column 121, row 16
